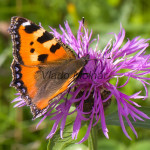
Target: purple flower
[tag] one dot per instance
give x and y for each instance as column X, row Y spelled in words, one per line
column 93, row 90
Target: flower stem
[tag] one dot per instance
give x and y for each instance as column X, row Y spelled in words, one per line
column 48, row 145
column 92, row 140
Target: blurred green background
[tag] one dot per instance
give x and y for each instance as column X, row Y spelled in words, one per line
column 17, row 130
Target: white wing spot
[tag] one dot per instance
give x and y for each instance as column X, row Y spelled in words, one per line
column 26, row 24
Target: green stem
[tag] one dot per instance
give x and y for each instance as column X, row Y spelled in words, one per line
column 48, row 145
column 92, row 140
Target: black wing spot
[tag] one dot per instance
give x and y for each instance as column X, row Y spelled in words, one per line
column 31, row 28
column 32, row 50
column 42, row 57
column 45, row 37
column 31, row 43
column 55, row 47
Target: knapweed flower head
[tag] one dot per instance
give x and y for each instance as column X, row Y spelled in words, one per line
column 93, row 89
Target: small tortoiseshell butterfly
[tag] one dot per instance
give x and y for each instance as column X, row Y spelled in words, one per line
column 37, row 52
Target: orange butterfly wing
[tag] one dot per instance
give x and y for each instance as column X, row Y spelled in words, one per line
column 33, row 45
column 36, row 51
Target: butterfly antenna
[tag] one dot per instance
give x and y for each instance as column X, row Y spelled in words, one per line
column 83, row 20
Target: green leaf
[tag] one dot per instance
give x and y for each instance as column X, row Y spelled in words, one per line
column 110, row 144
column 56, row 143
column 4, row 55
column 145, row 145
column 77, row 147
column 113, row 119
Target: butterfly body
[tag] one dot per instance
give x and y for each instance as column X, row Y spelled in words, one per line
column 43, row 67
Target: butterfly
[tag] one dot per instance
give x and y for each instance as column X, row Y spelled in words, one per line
column 40, row 61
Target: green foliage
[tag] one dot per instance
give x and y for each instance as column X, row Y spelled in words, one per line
column 60, row 144
column 17, row 130
column 113, row 119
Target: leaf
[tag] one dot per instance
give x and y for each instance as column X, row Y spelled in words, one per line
column 111, row 144
column 113, row 119
column 145, row 144
column 56, row 143
column 77, row 147
column 4, row 55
